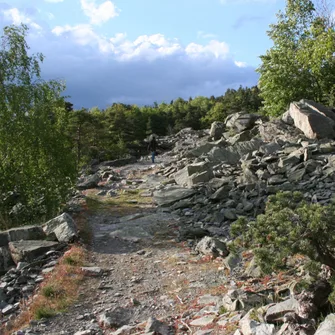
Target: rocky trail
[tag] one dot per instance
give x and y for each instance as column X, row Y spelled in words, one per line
column 139, row 272
column 160, row 254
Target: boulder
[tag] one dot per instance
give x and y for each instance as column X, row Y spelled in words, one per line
column 241, row 121
column 217, row 129
column 319, row 108
column 172, row 194
column 89, row 182
column 3, row 238
column 250, row 325
column 212, row 246
column 276, row 312
column 193, row 174
column 314, row 123
column 221, row 193
column 286, row 118
column 327, row 327
column 63, row 227
column 200, row 150
column 157, row 327
column 27, row 251
column 6, row 261
column 25, row 233
column 223, row 155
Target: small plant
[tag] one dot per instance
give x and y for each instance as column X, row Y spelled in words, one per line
column 222, row 310
column 44, row 312
column 70, row 260
column 254, row 315
column 49, row 291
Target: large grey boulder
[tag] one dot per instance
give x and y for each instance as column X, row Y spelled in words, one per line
column 89, row 182
column 242, row 148
column 193, row 174
column 201, row 150
column 172, row 194
column 25, row 233
column 223, row 155
column 241, row 121
column 217, row 130
column 63, row 227
column 314, row 122
column 28, row 251
column 212, row 246
column 327, row 327
column 155, row 326
column 6, row 261
column 250, row 325
column 319, row 108
column 276, row 312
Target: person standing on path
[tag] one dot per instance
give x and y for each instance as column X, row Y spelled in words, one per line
column 152, row 147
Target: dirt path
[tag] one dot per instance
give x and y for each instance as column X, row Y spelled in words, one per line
column 146, row 273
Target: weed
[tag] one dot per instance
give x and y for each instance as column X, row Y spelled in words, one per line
column 49, row 291
column 222, row 310
column 44, row 312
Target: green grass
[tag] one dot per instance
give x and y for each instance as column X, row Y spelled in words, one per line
column 44, row 313
column 126, row 199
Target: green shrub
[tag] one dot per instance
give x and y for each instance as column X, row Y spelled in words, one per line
column 289, row 226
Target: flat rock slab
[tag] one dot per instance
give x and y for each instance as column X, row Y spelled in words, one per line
column 168, row 196
column 28, row 251
column 327, row 327
column 93, row 271
column 139, row 227
column 277, row 311
column 204, row 321
column 21, row 233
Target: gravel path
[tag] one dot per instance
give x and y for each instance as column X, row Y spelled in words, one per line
column 146, row 273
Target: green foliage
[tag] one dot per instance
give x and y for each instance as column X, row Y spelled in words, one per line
column 36, row 164
column 301, row 63
column 44, row 313
column 121, row 129
column 289, row 226
column 49, row 291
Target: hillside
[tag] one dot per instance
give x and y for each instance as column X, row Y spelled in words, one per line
column 158, row 253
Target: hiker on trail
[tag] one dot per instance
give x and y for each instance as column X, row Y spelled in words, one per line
column 152, row 147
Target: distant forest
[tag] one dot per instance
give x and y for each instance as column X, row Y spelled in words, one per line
column 120, row 129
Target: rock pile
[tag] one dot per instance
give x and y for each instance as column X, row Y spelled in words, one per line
column 211, row 183
column 26, row 254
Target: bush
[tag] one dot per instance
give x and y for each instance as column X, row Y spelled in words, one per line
column 289, row 226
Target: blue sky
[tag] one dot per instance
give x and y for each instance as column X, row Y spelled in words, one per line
column 141, row 51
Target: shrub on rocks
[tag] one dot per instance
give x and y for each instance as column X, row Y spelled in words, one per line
column 289, row 226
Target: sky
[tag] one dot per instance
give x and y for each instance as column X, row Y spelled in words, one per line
column 145, row 51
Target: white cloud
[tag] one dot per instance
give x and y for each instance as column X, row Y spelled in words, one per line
column 140, row 70
column 84, row 35
column 202, row 34
column 213, row 48
column 149, row 47
column 99, row 13
column 16, row 17
column 240, row 64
